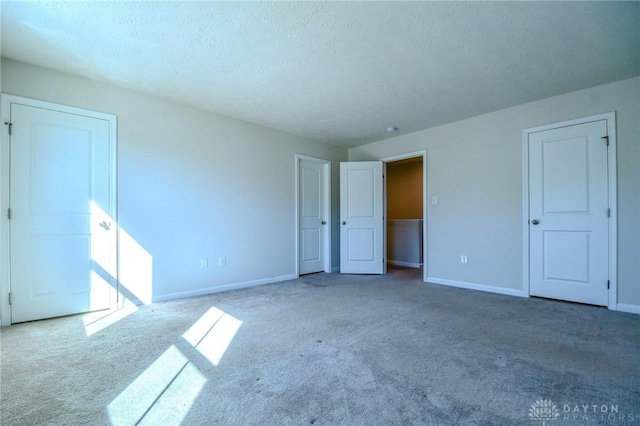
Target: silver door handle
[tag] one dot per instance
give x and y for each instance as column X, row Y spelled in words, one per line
column 105, row 225
column 323, row 223
column 535, row 222
column 344, row 223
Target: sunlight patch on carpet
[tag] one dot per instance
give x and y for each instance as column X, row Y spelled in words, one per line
column 212, row 334
column 98, row 321
column 165, row 390
column 174, row 404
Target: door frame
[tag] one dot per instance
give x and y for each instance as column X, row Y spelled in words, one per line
column 327, row 210
column 610, row 119
column 425, row 226
column 5, row 164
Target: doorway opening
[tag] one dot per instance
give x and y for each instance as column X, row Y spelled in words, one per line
column 405, row 182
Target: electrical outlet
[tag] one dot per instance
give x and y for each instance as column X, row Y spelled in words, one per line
column 204, row 262
column 434, row 200
column 463, row 259
column 222, row 261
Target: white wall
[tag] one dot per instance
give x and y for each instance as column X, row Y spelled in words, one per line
column 475, row 168
column 193, row 184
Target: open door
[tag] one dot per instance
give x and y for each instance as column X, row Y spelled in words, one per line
column 362, row 218
column 314, row 215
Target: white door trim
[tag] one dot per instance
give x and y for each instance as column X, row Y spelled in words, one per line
column 610, row 118
column 327, row 210
column 6, row 101
column 425, row 227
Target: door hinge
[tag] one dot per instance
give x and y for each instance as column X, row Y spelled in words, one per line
column 9, row 125
column 608, row 284
column 606, row 139
column 11, row 298
column 608, row 212
column 8, row 213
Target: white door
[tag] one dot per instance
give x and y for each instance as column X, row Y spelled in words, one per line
column 62, row 237
column 361, row 218
column 313, row 216
column 568, row 213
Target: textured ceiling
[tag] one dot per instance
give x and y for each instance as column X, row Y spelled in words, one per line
column 338, row 72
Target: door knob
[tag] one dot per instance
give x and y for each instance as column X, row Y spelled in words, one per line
column 323, row 222
column 535, row 222
column 344, row 223
column 105, row 225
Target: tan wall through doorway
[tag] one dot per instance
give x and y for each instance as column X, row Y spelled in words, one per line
column 404, row 189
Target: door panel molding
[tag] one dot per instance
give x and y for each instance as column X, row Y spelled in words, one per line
column 5, row 164
column 610, row 119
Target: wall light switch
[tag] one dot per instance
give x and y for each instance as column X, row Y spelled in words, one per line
column 434, row 200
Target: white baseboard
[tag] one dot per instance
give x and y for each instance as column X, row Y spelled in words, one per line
column 480, row 287
column 407, row 264
column 220, row 288
column 631, row 309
